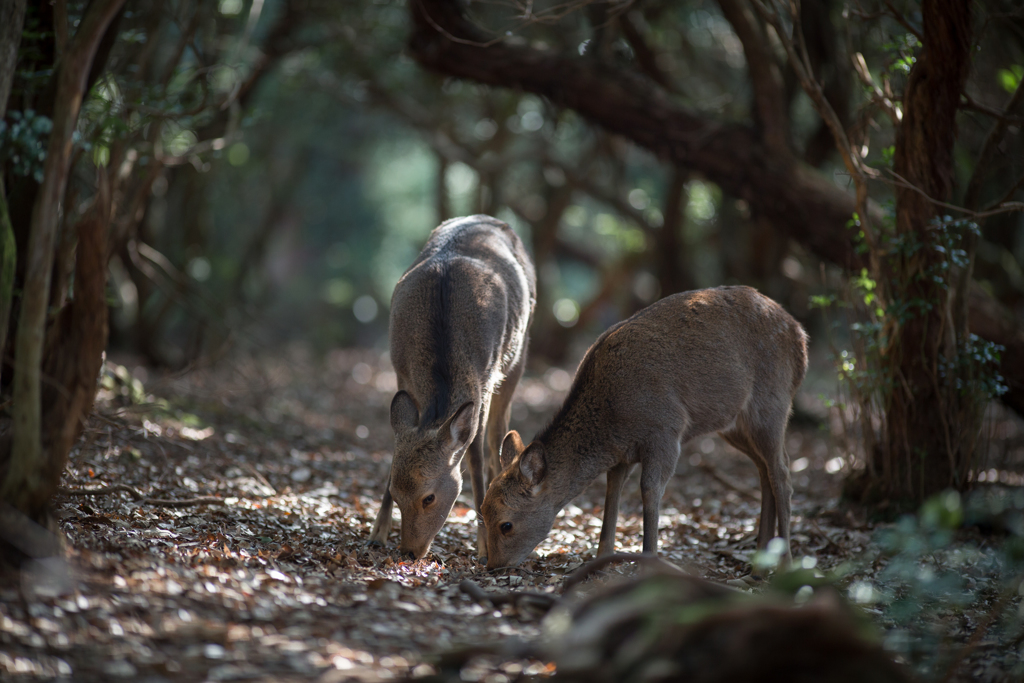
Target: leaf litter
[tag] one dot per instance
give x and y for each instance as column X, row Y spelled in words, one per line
column 217, row 531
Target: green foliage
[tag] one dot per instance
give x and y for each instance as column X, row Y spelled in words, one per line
column 119, row 381
column 932, row 578
column 859, row 241
column 23, row 143
column 975, row 370
column 888, row 154
column 1010, row 78
column 900, row 51
column 917, row 269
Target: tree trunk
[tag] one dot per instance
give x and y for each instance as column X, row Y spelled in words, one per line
column 12, row 17
column 930, row 426
column 673, row 276
column 30, row 471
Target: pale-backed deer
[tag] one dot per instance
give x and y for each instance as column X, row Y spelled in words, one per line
column 726, row 360
column 459, row 322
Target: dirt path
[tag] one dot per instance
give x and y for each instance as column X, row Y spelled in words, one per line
column 273, row 580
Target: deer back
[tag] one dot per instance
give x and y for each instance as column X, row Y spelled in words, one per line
column 459, row 318
column 689, row 364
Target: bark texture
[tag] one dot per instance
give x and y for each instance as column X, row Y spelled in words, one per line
column 12, row 17
column 931, row 427
column 31, row 472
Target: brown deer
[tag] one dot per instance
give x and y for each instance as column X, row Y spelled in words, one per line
column 459, row 322
column 726, row 360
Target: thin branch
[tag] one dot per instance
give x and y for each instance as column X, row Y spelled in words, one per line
column 799, row 62
column 645, row 57
column 878, row 96
column 902, row 21
column 1017, row 187
column 989, row 147
column 1003, row 116
column 1005, row 207
column 455, row 39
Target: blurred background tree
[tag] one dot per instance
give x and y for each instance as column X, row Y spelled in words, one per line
column 262, row 171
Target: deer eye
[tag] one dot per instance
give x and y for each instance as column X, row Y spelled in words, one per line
column 506, row 527
column 428, row 500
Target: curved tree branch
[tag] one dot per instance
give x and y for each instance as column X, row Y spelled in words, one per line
column 792, row 196
column 797, row 200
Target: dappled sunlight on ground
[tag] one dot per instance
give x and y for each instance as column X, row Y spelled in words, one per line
column 229, row 540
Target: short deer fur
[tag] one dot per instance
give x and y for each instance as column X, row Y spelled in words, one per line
column 726, row 360
column 459, row 322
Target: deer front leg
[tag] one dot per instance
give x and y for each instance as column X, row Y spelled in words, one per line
column 658, row 460
column 382, row 525
column 477, row 468
column 616, row 478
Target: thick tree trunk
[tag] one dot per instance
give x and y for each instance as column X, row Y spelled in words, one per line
column 797, row 200
column 12, row 17
column 930, row 425
column 31, row 474
column 81, row 327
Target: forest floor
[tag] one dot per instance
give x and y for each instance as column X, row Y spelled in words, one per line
column 227, row 539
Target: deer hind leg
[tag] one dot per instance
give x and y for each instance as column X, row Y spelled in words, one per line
column 765, row 436
column 498, row 418
column 616, row 478
column 382, row 525
column 766, row 524
column 658, row 459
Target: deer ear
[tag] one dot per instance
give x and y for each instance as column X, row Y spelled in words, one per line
column 532, row 464
column 404, row 413
column 511, row 447
column 455, row 433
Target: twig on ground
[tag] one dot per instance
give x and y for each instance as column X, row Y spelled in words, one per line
column 731, row 554
column 184, row 502
column 594, row 566
column 813, row 525
column 540, row 602
column 134, row 493
column 967, row 648
column 517, row 569
column 108, row 420
column 730, row 483
column 259, row 477
column 102, row 491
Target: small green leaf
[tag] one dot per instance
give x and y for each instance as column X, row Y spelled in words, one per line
column 101, row 155
column 1010, row 78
